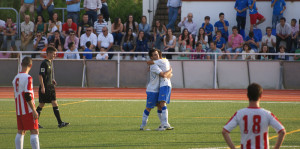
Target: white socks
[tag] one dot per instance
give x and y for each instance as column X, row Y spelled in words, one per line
column 19, row 141
column 145, row 118
column 159, row 114
column 34, row 141
column 165, row 116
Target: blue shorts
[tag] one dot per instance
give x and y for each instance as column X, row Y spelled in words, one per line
column 151, row 99
column 164, row 94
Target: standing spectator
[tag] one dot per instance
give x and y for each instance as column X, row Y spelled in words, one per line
column 99, row 24
column 269, row 40
column 144, row 26
column 40, row 25
column 88, row 36
column 141, row 45
column 106, row 41
column 189, row 24
column 71, row 38
column 116, row 29
column 279, row 7
column 131, row 24
column 241, row 7
column 214, row 49
column 281, row 53
column 220, row 41
column 185, row 41
column 73, row 9
column 91, row 7
column 104, row 10
column 39, row 42
column 222, row 25
column 128, row 43
column 198, row 49
column 72, row 52
column 51, row 28
column 10, row 30
column 2, row 26
column 28, row 4
column 202, row 38
column 283, row 32
column 235, row 42
column 57, row 22
column 254, row 15
column 169, row 43
column 174, row 8
column 46, row 4
column 264, row 49
column 68, row 27
column 294, row 33
column 88, row 49
column 84, row 24
column 247, row 49
column 252, row 41
column 209, row 28
column 159, row 31
column 27, row 32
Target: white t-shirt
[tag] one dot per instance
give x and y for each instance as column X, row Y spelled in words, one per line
column 53, row 29
column 164, row 65
column 269, row 44
column 47, row 1
column 71, row 54
column 170, row 43
column 105, row 40
column 84, row 38
column 254, row 123
column 153, row 85
column 205, row 39
column 101, row 57
column 2, row 25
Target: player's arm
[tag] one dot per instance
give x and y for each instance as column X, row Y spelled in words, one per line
column 28, row 99
column 42, row 84
column 166, row 74
column 150, row 62
column 228, row 139
column 280, row 138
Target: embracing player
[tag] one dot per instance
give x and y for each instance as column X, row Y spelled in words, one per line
column 254, row 122
column 27, row 117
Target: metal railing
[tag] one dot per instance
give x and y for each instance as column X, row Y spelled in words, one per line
column 17, row 19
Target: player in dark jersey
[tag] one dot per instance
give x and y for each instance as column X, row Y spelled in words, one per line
column 46, row 90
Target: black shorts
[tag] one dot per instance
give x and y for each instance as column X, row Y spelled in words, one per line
column 49, row 95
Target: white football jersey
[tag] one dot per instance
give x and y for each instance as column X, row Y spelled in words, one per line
column 164, row 65
column 254, row 123
column 153, row 85
column 22, row 84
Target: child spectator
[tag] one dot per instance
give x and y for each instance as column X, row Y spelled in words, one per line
column 247, row 49
column 252, row 41
column 88, row 49
column 264, row 49
column 281, row 53
column 102, row 55
column 208, row 28
column 202, row 38
column 279, row 7
column 72, row 52
column 128, row 43
column 169, row 43
column 241, row 7
column 220, row 41
column 222, row 25
column 254, row 15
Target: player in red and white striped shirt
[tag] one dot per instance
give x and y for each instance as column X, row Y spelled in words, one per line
column 254, row 122
column 27, row 117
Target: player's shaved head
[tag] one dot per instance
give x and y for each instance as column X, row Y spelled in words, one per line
column 51, row 50
column 27, row 61
column 254, row 92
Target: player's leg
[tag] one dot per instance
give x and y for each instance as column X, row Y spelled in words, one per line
column 150, row 104
column 34, row 139
column 57, row 115
column 164, row 99
column 19, row 140
column 261, row 19
column 159, row 112
column 145, row 118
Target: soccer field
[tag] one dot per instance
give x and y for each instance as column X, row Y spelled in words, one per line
column 98, row 123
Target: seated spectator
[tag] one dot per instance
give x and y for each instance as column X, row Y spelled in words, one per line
column 28, row 5
column 27, row 28
column 131, row 24
column 88, row 49
column 40, row 25
column 222, row 25
column 71, row 38
column 283, row 33
column 39, row 42
column 106, row 41
column 2, row 26
column 116, row 30
column 84, row 24
column 189, row 24
column 141, row 45
column 235, row 43
column 99, row 24
column 294, row 33
column 169, row 43
column 220, row 41
column 69, row 26
column 102, row 55
column 58, row 55
column 198, row 49
column 297, row 57
column 72, row 52
column 10, row 31
column 51, row 28
column 209, row 28
column 128, row 43
column 185, row 41
column 247, row 49
column 58, row 41
column 159, row 32
column 213, row 49
column 252, row 41
column 282, row 53
column 104, row 10
column 264, row 49
column 46, row 4
column 270, row 41
column 88, row 36
column 57, row 22
column 202, row 38
column 91, row 7
column 144, row 26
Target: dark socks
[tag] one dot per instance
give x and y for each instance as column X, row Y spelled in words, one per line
column 57, row 115
column 38, row 110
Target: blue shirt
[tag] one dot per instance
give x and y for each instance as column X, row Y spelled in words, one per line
column 174, row 3
column 220, row 43
column 209, row 28
column 279, row 4
column 145, row 28
column 253, row 10
column 220, row 27
column 87, row 55
column 240, row 5
column 28, row 1
column 253, row 46
column 73, row 7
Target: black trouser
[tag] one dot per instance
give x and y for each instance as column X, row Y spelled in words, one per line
column 241, row 22
column 288, row 43
column 169, row 56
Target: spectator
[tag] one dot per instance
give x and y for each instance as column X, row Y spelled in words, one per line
column 88, row 49
column 252, row 41
column 99, row 24
column 189, row 24
column 58, row 41
column 185, row 41
column 71, row 38
column 39, row 42
column 198, row 49
column 131, row 24
column 106, row 41
column 2, row 26
column 73, row 9
column 202, row 38
column 235, row 42
column 116, row 29
column 214, row 49
column 40, row 25
column 169, row 43
column 57, row 22
column 254, row 15
column 102, row 55
column 222, row 25
column 282, row 53
column 30, row 5
column 88, row 36
column 159, row 32
column 174, row 8
column 46, row 4
column 283, row 32
column 72, row 52
column 294, row 33
column 220, row 41
column 141, row 45
column 279, row 7
column 144, row 26
column 58, row 55
column 84, row 24
column 264, row 49
column 270, row 41
column 10, row 31
column 51, row 28
column 241, row 7
column 69, row 26
column 297, row 51
column 209, row 28
column 247, row 49
column 91, row 7
column 104, row 10
column 26, row 32
column 128, row 43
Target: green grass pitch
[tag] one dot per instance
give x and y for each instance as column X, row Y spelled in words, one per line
column 115, row 124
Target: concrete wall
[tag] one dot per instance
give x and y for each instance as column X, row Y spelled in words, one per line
column 291, row 75
column 9, row 69
column 133, row 74
column 68, row 72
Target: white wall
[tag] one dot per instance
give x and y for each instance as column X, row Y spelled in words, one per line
column 200, row 9
column 149, row 5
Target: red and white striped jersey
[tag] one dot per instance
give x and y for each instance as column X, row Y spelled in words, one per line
column 254, row 126
column 23, row 84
